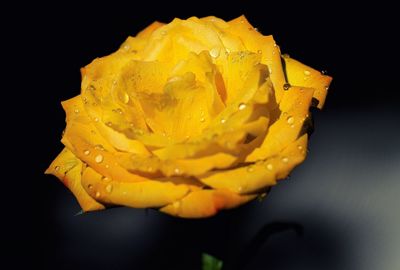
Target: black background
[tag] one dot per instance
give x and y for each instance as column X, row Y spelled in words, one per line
column 344, row 195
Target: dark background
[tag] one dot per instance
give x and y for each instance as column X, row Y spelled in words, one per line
column 345, row 195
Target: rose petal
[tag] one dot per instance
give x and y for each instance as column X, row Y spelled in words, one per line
column 140, row 194
column 301, row 75
column 258, row 176
column 68, row 168
column 205, row 203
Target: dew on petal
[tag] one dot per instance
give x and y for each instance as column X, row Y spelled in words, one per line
column 250, row 169
column 307, row 73
column 86, row 152
column 286, row 86
column 290, row 120
column 285, row 159
column 300, row 147
column 98, row 159
column 109, row 188
column 97, row 194
column 223, row 120
column 57, row 168
column 214, row 52
column 242, row 106
column 76, row 111
column 90, row 186
column 269, row 166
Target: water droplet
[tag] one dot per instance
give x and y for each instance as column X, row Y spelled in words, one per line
column 138, row 132
column 91, row 88
column 76, row 111
column 324, row 72
column 97, row 194
column 177, row 171
column 223, row 120
column 285, row 159
column 259, row 51
column 57, row 168
column 176, row 204
column 96, row 119
column 270, row 70
column 285, row 55
column 202, row 119
column 290, row 120
column 125, row 97
column 307, row 73
column 85, row 100
column 250, row 169
column 98, row 159
column 99, row 147
column 105, row 178
column 163, row 32
column 109, row 188
column 300, row 147
column 292, row 125
column 256, row 29
column 215, row 52
column 269, row 166
column 109, row 124
column 127, row 47
column 107, row 166
column 242, row 106
column 326, row 88
column 286, row 86
column 86, row 152
column 119, row 111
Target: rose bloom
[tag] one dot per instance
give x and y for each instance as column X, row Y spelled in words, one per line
column 189, row 117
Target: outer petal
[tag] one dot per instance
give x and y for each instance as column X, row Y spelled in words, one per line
column 263, row 174
column 68, row 168
column 140, row 194
column 205, row 203
column 294, row 110
column 301, row 75
column 256, row 42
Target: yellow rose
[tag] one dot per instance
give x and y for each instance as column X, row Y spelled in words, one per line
column 189, row 117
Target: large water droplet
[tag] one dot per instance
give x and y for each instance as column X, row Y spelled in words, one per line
column 109, row 188
column 300, row 147
column 125, row 97
column 242, row 106
column 215, row 52
column 269, row 166
column 98, row 159
column 290, row 120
